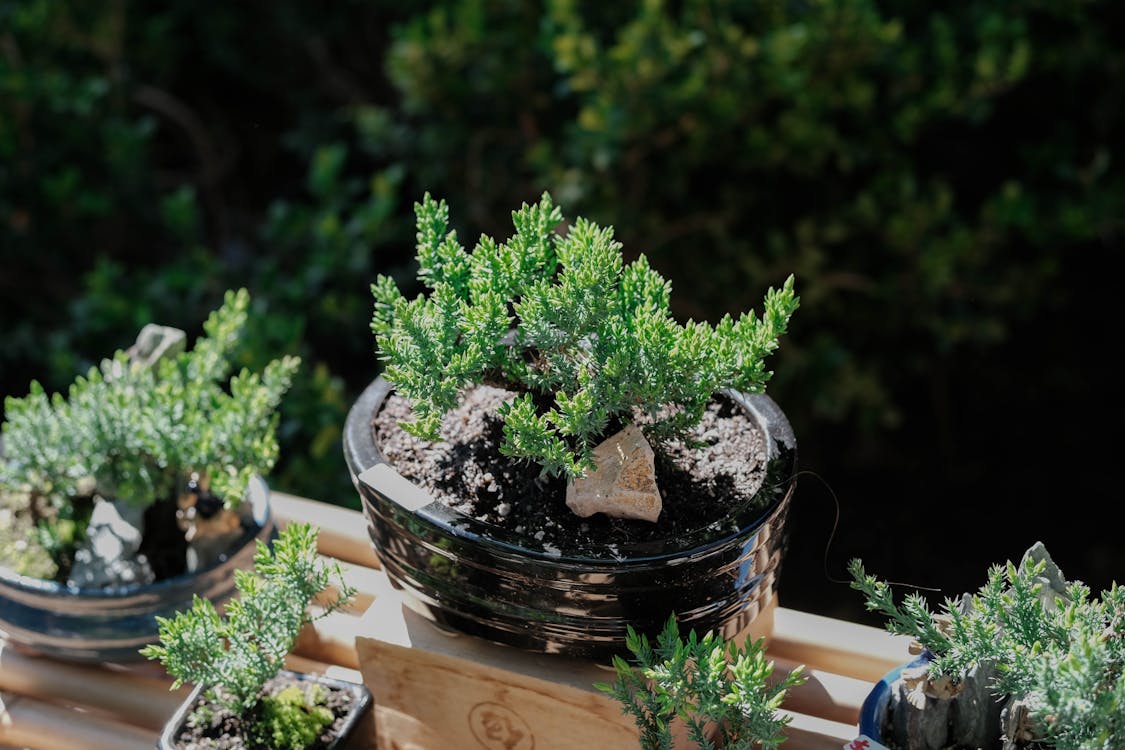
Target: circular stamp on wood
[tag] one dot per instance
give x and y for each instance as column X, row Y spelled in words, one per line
column 497, row 727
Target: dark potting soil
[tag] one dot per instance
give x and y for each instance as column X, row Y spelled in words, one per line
column 226, row 730
column 466, row 471
column 163, row 541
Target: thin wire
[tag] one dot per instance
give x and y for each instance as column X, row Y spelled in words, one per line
column 832, row 536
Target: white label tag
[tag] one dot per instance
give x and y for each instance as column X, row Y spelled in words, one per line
column 382, row 478
column 863, row 742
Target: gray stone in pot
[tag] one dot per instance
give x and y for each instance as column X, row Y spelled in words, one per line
column 108, row 556
column 111, row 624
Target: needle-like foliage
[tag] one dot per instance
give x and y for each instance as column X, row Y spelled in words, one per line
column 236, row 654
column 583, row 338
column 724, row 694
column 1058, row 651
column 139, row 431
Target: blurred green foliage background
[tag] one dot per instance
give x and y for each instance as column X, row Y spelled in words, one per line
column 946, row 183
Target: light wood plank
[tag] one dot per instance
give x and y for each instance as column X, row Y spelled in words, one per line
column 134, row 697
column 31, row 723
column 312, row 666
column 343, row 532
column 814, row 733
column 455, row 701
column 366, row 581
column 824, row 694
column 330, row 639
column 836, row 646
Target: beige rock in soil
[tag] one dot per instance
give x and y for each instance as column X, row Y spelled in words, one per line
column 624, row 483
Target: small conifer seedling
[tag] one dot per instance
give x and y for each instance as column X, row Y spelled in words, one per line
column 1054, row 650
column 136, row 432
column 235, row 655
column 585, row 339
column 724, row 694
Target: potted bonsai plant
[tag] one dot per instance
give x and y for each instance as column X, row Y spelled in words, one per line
column 1030, row 661
column 540, row 409
column 723, row 694
column 138, row 490
column 243, row 699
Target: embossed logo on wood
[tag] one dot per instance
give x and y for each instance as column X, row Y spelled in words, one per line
column 498, row 727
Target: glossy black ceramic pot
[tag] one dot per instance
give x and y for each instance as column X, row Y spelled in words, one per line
column 110, row 625
column 358, row 731
column 477, row 578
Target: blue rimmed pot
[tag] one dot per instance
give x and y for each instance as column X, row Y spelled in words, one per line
column 972, row 718
column 873, row 719
column 112, row 624
column 357, row 730
column 475, row 577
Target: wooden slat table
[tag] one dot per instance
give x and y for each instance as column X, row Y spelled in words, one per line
column 50, row 705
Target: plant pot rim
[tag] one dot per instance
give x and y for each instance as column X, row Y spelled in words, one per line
column 110, row 625
column 362, row 704
column 257, row 493
column 874, row 708
column 476, row 578
column 367, row 464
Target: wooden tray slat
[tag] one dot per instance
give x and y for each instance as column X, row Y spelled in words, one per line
column 343, row 532
column 137, row 697
column 32, row 723
column 46, row 705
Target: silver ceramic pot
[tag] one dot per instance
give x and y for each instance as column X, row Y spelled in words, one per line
column 111, row 625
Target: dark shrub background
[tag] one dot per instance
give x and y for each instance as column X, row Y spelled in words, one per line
column 947, row 185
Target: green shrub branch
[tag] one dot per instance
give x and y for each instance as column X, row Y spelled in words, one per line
column 138, row 431
column 585, row 339
column 724, row 694
column 236, row 654
column 1061, row 654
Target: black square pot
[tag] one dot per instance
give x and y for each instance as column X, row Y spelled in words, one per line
column 352, row 735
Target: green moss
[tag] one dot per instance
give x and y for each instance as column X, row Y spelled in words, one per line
column 292, row 719
column 20, row 547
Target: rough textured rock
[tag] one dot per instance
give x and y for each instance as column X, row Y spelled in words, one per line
column 154, row 343
column 918, row 720
column 1015, row 718
column 623, row 485
column 1053, row 583
column 108, row 557
column 210, row 529
column 974, row 719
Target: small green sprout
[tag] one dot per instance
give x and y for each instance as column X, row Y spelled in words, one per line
column 711, row 685
column 235, row 655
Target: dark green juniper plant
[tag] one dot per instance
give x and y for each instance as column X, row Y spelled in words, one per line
column 1056, row 650
column 132, row 432
column 723, row 694
column 585, row 339
column 236, row 655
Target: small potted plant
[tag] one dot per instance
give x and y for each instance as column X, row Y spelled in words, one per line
column 722, row 694
column 243, row 699
column 551, row 458
column 1030, row 661
column 138, row 490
